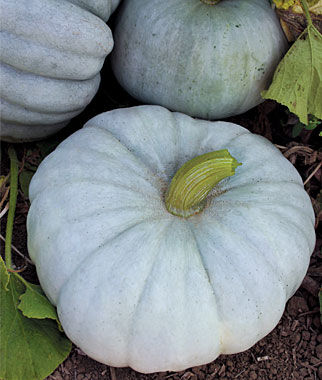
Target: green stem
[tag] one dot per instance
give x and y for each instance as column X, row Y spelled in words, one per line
column 306, row 12
column 193, row 182
column 25, row 282
column 12, row 204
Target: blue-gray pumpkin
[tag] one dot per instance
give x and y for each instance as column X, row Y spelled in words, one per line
column 207, row 60
column 136, row 285
column 51, row 55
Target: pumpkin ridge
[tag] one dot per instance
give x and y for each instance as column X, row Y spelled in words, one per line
column 32, row 110
column 293, row 188
column 269, row 181
column 110, row 208
column 34, row 117
column 13, row 78
column 274, row 251
column 296, row 226
column 102, row 10
column 90, row 254
column 161, row 168
column 262, row 205
column 290, row 289
column 141, row 294
column 115, row 158
column 245, row 132
column 142, row 176
column 156, row 168
column 250, row 290
column 112, row 269
column 254, row 248
column 60, row 13
column 44, row 45
column 153, row 173
column 99, row 212
column 290, row 206
column 213, row 289
column 96, row 183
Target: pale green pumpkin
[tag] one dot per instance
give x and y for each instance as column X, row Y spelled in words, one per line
column 51, row 55
column 206, row 60
column 136, row 285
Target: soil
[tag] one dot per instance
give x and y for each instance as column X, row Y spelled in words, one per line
column 293, row 350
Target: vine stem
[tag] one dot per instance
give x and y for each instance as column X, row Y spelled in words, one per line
column 12, row 204
column 306, row 12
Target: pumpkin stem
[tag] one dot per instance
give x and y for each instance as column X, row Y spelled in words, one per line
column 192, row 183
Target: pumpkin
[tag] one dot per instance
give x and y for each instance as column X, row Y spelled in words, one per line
column 101, row 8
column 162, row 271
column 51, row 55
column 206, row 60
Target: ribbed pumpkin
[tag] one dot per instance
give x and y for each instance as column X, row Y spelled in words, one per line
column 148, row 268
column 206, row 60
column 101, row 8
column 51, row 55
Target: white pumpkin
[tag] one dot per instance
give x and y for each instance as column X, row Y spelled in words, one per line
column 51, row 55
column 206, row 60
column 138, row 286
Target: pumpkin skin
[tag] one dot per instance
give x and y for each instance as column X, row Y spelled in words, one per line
column 51, row 55
column 101, row 8
column 208, row 61
column 137, row 286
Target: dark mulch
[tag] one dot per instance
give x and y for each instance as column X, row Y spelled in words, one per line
column 293, row 350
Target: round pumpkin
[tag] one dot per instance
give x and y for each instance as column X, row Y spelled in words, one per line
column 51, row 55
column 137, row 285
column 206, row 60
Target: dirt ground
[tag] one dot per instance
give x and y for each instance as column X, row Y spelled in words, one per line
column 293, row 350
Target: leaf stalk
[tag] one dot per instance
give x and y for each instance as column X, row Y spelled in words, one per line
column 306, row 12
column 12, row 204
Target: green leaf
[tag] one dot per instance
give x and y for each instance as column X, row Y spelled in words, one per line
column 34, row 303
column 313, row 123
column 297, row 129
column 24, row 180
column 47, row 146
column 297, row 79
column 2, row 180
column 30, row 349
column 30, row 167
column 4, row 275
